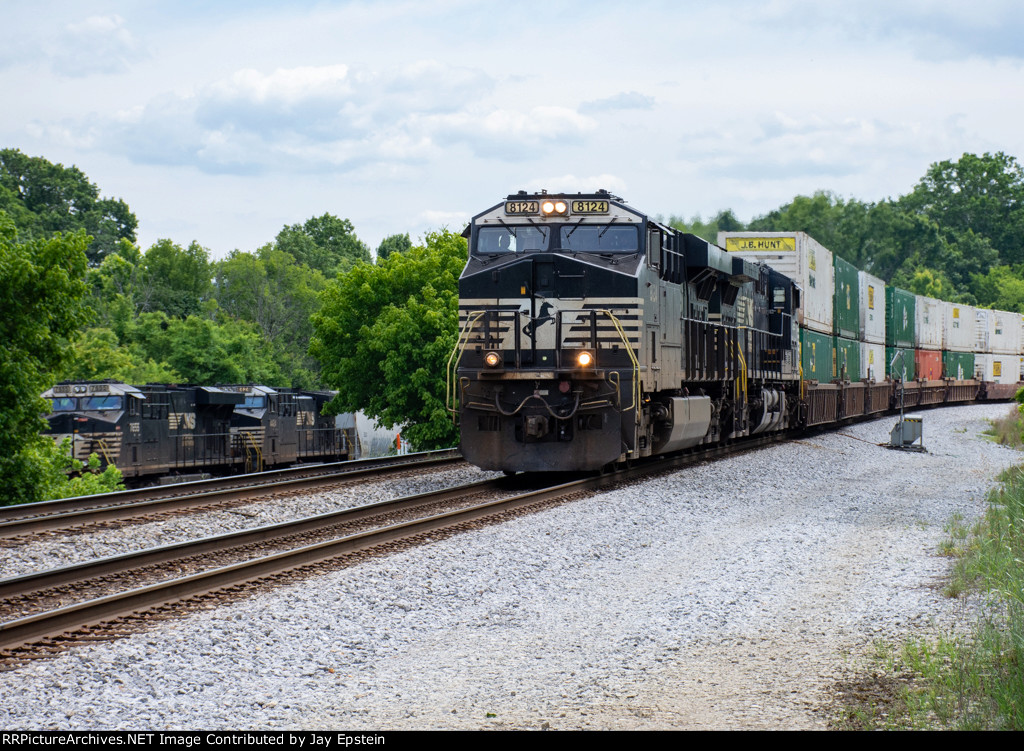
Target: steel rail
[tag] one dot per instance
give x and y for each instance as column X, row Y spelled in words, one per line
column 126, row 497
column 67, row 620
column 32, row 524
column 81, row 572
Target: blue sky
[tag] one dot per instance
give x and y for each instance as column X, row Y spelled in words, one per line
column 222, row 124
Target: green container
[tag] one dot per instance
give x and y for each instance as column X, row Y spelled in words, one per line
column 907, row 362
column 958, row 365
column 899, row 317
column 848, row 356
column 846, row 300
column 817, row 356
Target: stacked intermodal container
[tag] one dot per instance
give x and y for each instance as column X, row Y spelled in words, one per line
column 872, row 327
column 846, row 319
column 853, row 327
column 900, row 309
column 800, row 257
column 959, row 326
column 810, row 265
column 928, row 331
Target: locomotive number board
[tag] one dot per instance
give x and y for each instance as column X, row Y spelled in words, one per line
column 522, row 207
column 575, row 207
column 588, row 207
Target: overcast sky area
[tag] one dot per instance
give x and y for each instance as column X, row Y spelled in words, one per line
column 222, row 122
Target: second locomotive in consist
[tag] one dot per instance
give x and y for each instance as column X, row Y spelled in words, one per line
column 590, row 334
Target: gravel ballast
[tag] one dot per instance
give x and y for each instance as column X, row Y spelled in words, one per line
column 59, row 549
column 731, row 594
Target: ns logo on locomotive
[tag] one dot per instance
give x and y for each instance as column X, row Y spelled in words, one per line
column 591, row 334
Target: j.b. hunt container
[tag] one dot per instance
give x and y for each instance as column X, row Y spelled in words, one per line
column 801, row 258
column 872, row 309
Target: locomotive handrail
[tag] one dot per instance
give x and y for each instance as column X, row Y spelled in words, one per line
column 632, row 356
column 741, row 386
column 460, row 345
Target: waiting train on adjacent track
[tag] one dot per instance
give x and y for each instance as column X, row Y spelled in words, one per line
column 590, row 335
column 158, row 429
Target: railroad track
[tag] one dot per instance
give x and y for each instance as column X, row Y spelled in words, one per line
column 69, row 513
column 116, row 596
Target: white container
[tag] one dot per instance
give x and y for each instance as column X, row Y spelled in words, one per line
column 800, row 257
column 872, row 310
column 959, row 327
column 1005, row 334
column 928, row 322
column 872, row 359
column 997, row 368
column 999, row 332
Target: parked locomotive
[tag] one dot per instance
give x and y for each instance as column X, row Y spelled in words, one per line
column 160, row 429
column 591, row 334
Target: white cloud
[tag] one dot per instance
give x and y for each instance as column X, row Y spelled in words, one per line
column 626, row 100
column 333, row 118
column 574, row 184
column 98, row 44
column 511, row 134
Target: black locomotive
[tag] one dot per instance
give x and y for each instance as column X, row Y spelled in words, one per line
column 591, row 334
column 159, row 429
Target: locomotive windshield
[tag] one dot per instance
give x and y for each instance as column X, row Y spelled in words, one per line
column 512, row 239
column 254, row 402
column 576, row 238
column 64, row 404
column 101, row 402
column 603, row 238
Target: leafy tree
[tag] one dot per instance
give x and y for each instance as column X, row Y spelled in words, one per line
column 1001, row 288
column 384, row 334
column 723, row 221
column 176, row 280
column 43, row 198
column 272, row 291
column 393, row 244
column 98, row 354
column 43, row 297
column 67, row 477
column 926, row 282
column 202, row 351
column 325, row 243
column 979, row 194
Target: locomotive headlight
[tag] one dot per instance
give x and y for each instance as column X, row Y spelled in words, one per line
column 553, row 207
column 585, row 359
column 492, row 359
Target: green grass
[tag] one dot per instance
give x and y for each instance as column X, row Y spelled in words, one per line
column 1008, row 430
column 965, row 682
